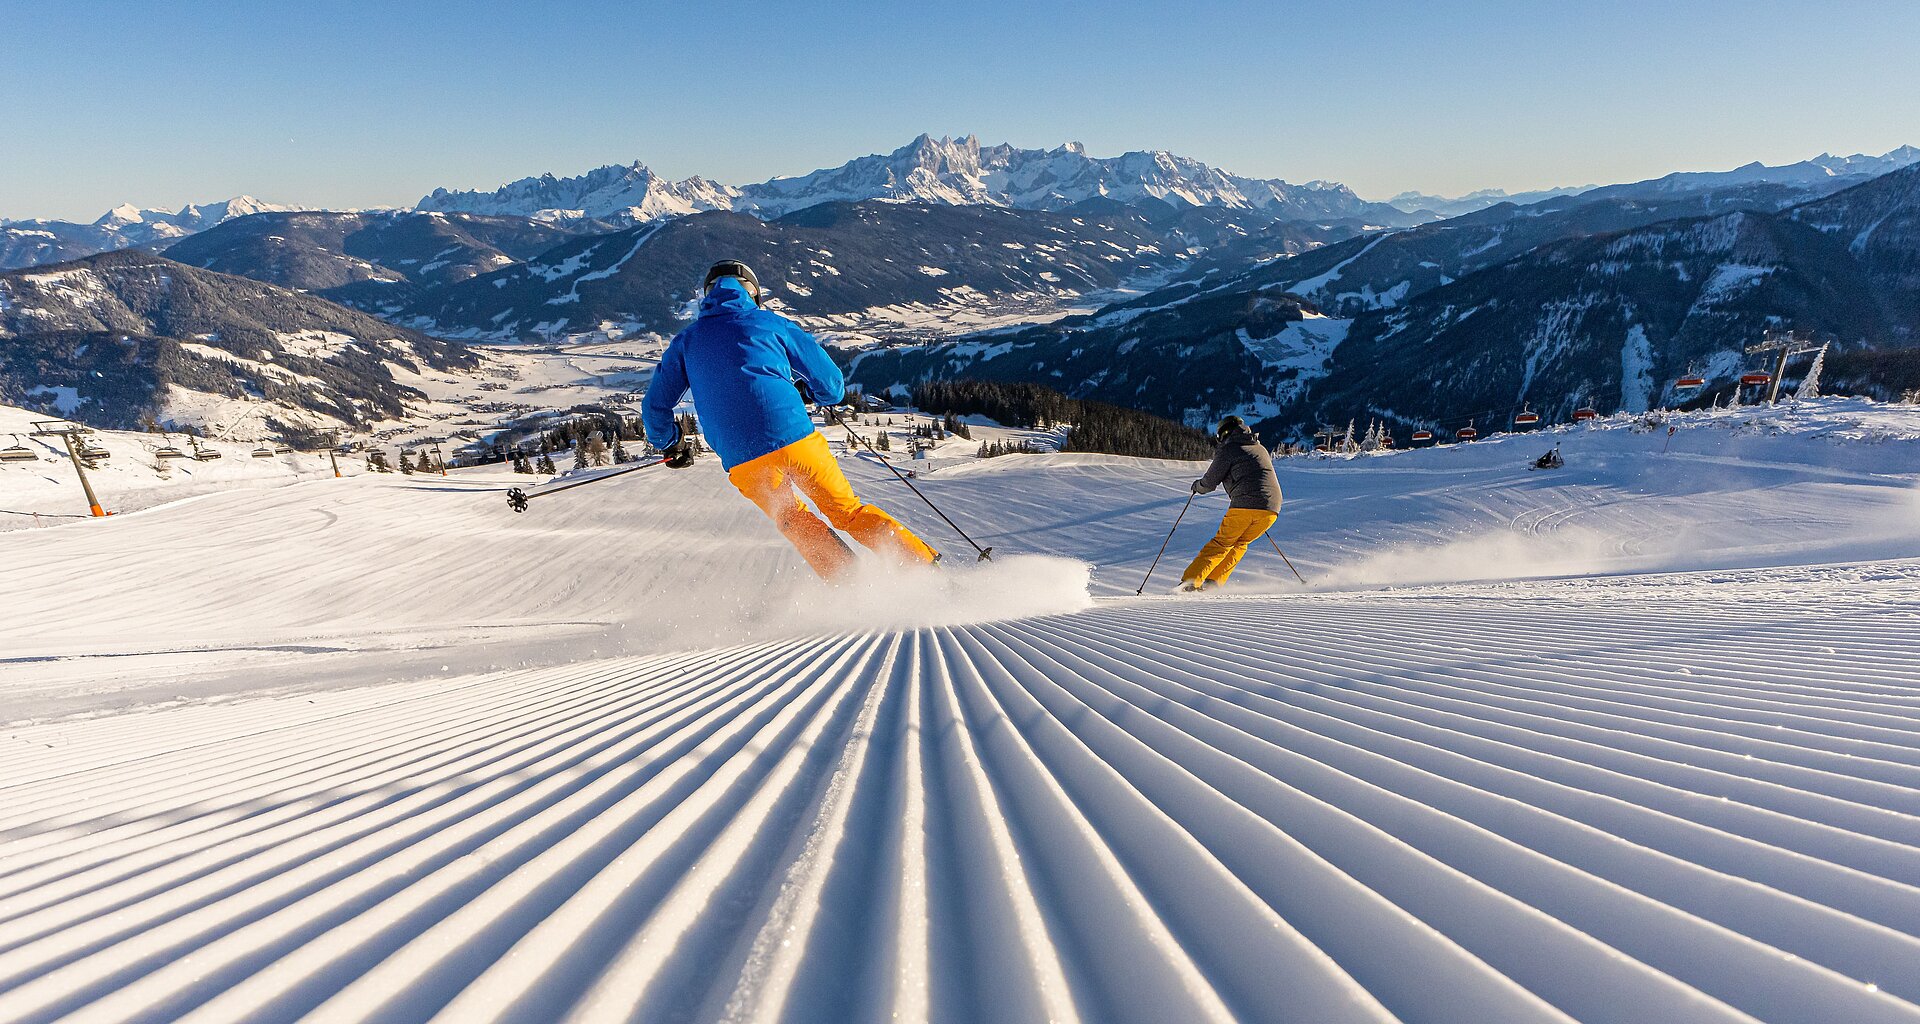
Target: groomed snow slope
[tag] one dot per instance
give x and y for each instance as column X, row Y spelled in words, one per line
column 1691, row 794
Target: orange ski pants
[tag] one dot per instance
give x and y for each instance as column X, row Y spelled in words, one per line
column 1219, row 556
column 775, row 482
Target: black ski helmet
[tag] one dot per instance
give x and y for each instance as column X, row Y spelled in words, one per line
column 1231, row 425
column 732, row 268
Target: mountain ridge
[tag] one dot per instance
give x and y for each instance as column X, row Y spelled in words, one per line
column 944, row 171
column 118, row 337
column 1601, row 319
column 34, row 242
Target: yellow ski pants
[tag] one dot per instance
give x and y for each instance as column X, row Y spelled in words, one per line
column 1216, row 560
column 775, row 482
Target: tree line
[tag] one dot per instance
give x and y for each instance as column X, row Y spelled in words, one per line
column 1090, row 426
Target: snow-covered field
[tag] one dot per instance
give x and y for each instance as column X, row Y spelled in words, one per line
column 45, row 490
column 1637, row 740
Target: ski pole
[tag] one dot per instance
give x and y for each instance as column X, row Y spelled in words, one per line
column 1284, row 558
column 1164, row 543
column 986, row 554
column 517, row 499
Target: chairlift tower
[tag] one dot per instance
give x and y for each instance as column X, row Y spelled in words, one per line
column 333, row 451
column 1788, row 344
column 72, row 434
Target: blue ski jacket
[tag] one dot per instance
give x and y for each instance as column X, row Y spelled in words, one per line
column 741, row 362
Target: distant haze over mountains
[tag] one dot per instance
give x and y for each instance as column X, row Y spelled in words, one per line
column 1417, row 202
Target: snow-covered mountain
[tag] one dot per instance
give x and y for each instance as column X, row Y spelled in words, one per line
column 27, row 243
column 630, row 194
column 1566, row 311
column 1879, row 224
column 134, row 222
column 121, row 336
column 946, row 171
column 1822, row 174
column 1386, row 270
column 836, row 265
column 373, row 261
column 963, row 172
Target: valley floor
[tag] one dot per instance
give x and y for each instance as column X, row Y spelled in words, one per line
column 1637, row 741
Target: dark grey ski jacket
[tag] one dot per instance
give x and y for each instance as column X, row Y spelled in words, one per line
column 1246, row 467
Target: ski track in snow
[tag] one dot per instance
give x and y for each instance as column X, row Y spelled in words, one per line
column 1687, row 795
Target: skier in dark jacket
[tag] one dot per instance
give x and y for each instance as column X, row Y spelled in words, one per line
column 1245, row 467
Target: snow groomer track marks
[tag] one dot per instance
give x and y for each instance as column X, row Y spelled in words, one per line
column 1146, row 812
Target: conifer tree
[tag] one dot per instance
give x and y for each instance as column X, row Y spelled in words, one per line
column 406, row 464
column 1810, row 386
column 579, row 454
column 545, row 465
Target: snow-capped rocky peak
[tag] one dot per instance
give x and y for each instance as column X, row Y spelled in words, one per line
column 122, row 215
column 216, row 213
column 191, row 218
column 926, row 170
column 945, row 170
column 621, row 193
column 961, row 171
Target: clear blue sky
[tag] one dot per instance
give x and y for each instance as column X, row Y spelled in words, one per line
column 365, row 103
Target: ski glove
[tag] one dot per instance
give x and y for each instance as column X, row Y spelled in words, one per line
column 680, row 455
column 806, row 393
column 1200, row 487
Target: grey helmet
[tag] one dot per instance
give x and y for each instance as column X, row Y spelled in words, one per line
column 732, row 268
column 1231, row 425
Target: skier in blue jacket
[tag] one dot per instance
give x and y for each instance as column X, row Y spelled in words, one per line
column 742, row 363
